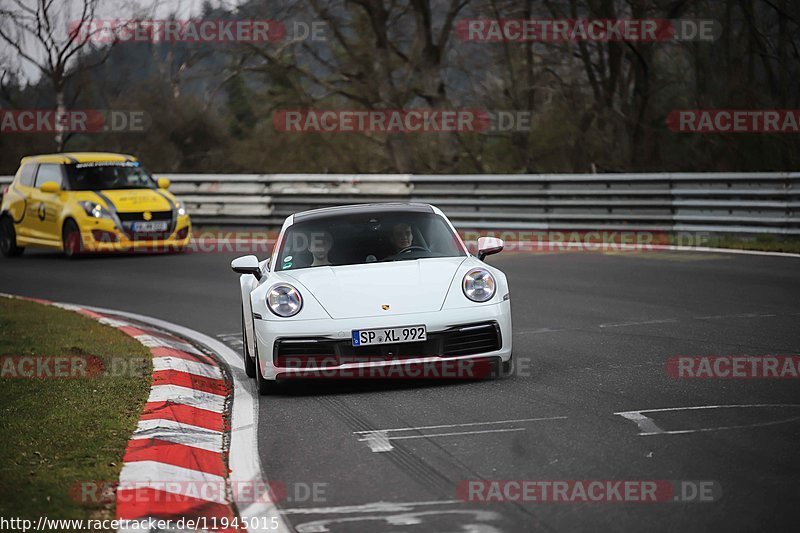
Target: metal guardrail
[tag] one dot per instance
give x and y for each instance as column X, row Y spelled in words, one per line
column 746, row 203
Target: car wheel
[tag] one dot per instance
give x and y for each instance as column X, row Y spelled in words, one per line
column 8, row 239
column 71, row 239
column 249, row 364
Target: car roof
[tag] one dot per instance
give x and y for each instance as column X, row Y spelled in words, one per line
column 77, row 157
column 363, row 209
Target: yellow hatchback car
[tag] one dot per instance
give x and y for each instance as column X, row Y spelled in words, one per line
column 90, row 202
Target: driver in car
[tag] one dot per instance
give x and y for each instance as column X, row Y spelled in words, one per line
column 402, row 236
column 401, row 239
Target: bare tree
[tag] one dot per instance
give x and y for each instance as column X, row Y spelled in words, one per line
column 50, row 34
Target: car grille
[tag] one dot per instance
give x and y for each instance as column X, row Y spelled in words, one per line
column 470, row 339
column 139, row 216
column 128, row 220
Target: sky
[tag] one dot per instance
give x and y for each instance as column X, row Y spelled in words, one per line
column 106, row 9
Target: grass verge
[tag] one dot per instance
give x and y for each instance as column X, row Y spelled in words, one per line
column 60, row 432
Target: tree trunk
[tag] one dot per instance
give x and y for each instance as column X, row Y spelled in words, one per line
column 60, row 111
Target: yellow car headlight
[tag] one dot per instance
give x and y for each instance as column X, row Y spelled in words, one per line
column 93, row 209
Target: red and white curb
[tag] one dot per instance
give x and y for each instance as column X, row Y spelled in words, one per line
column 195, row 436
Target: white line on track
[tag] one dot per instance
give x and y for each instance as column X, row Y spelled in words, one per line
column 739, row 315
column 648, row 427
column 392, row 522
column 477, row 432
column 376, row 507
column 379, row 440
column 643, row 323
column 441, row 426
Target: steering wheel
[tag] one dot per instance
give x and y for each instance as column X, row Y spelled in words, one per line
column 411, row 249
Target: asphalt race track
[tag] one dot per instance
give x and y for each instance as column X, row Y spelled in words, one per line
column 593, row 333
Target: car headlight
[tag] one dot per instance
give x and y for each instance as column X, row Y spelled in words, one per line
column 284, row 300
column 93, row 209
column 180, row 207
column 479, row 285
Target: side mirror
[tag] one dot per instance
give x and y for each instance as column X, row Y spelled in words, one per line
column 247, row 264
column 163, row 183
column 489, row 246
column 50, row 187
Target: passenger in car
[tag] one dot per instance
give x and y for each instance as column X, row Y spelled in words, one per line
column 320, row 244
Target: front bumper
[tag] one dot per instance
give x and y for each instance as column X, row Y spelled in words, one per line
column 267, row 332
column 102, row 235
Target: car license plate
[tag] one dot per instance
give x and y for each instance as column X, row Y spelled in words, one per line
column 146, row 227
column 367, row 337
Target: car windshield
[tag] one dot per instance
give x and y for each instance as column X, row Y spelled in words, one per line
column 108, row 175
column 354, row 239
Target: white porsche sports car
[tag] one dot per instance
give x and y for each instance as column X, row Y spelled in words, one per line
column 377, row 290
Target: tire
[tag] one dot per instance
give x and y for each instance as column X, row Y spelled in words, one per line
column 71, row 239
column 249, row 363
column 8, row 238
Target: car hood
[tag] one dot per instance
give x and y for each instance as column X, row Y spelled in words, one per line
column 137, row 200
column 351, row 291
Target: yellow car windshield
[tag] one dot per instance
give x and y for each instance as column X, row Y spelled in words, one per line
column 108, row 175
